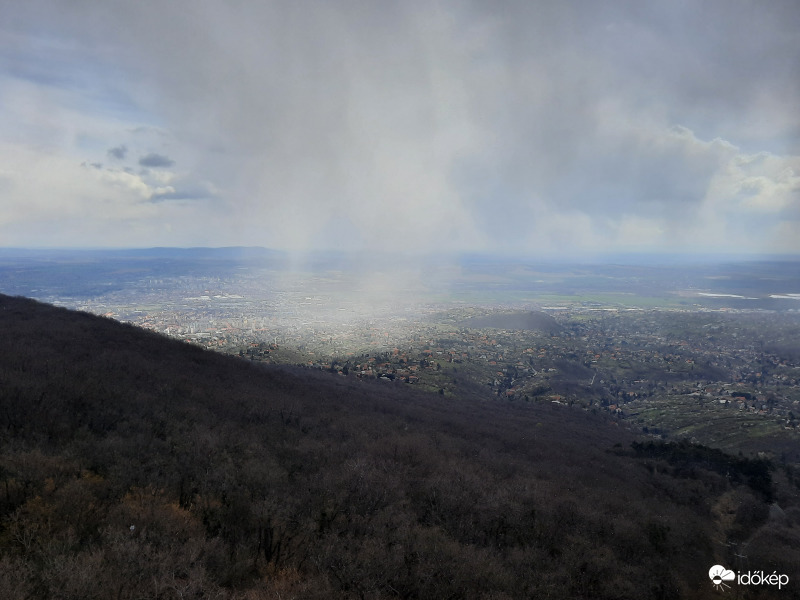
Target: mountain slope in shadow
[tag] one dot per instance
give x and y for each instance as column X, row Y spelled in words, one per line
column 137, row 466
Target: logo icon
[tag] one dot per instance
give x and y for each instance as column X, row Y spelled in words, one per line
column 719, row 575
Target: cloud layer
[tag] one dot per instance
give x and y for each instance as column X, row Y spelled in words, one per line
column 525, row 127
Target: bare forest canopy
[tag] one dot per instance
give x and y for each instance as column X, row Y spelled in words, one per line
column 134, row 466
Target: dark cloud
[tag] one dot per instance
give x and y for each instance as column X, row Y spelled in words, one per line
column 156, row 160
column 119, row 152
column 455, row 124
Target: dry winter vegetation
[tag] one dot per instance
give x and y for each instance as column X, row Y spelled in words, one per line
column 135, row 466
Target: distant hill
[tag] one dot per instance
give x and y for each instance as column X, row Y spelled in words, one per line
column 525, row 321
column 136, row 466
column 76, row 254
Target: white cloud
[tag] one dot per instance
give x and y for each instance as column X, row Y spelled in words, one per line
column 756, row 183
column 49, row 198
column 572, row 127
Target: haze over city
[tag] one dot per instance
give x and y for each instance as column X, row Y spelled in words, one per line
column 399, row 299
column 529, row 128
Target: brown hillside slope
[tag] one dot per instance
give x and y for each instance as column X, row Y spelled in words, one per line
column 134, row 466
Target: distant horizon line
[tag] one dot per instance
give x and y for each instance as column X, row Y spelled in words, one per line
column 616, row 257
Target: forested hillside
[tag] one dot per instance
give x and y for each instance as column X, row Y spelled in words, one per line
column 134, row 466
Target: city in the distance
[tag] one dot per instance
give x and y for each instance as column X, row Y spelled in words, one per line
column 400, row 300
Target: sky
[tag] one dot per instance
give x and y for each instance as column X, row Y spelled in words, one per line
column 531, row 128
